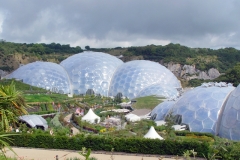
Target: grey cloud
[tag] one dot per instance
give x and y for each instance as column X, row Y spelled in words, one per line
column 186, row 22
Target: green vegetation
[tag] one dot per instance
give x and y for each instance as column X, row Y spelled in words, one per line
column 231, row 76
column 96, row 142
column 37, row 98
column 23, row 87
column 42, row 48
column 45, row 98
column 202, row 58
column 12, row 105
column 148, row 102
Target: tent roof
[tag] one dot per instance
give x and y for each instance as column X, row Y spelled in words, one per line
column 34, row 120
column 132, row 117
column 90, row 116
column 152, row 134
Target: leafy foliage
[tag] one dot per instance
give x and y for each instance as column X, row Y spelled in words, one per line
column 231, row 76
column 12, row 105
column 129, row 145
column 146, row 102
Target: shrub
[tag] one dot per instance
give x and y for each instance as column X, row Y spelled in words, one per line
column 130, row 145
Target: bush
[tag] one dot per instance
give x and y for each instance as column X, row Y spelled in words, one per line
column 185, row 133
column 130, row 145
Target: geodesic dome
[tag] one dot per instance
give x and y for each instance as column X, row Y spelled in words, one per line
column 200, row 107
column 159, row 91
column 229, row 125
column 91, row 70
column 47, row 75
column 160, row 111
column 132, row 77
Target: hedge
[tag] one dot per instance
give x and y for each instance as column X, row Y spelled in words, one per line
column 184, row 133
column 129, row 145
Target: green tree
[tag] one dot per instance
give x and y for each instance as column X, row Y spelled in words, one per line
column 231, row 76
column 38, row 48
column 87, row 47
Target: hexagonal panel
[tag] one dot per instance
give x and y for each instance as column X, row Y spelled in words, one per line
column 90, row 70
column 161, row 110
column 45, row 75
column 230, row 124
column 199, row 105
column 141, row 72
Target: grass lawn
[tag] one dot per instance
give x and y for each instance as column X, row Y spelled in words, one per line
column 46, row 97
column 38, row 98
column 21, row 86
column 148, row 102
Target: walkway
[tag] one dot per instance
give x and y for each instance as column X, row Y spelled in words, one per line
column 67, row 119
column 49, row 154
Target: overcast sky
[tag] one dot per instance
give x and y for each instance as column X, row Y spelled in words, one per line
column 124, row 23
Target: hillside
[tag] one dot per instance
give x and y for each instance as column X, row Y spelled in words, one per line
column 185, row 62
column 14, row 54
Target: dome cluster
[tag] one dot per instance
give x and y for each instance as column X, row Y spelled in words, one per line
column 211, row 107
column 102, row 74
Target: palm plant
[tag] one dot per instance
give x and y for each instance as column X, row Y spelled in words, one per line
column 12, row 105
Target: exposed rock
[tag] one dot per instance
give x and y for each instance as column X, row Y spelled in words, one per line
column 189, row 72
column 213, row 73
column 175, row 68
column 189, row 69
column 203, row 75
column 3, row 73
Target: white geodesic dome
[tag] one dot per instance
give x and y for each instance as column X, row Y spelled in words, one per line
column 47, row 75
column 159, row 91
column 160, row 111
column 229, row 124
column 200, row 107
column 91, row 70
column 132, row 77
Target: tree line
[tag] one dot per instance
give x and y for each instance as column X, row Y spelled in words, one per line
column 37, row 48
column 203, row 58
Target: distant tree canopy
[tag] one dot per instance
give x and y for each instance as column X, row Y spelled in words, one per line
column 87, row 47
column 231, row 76
column 202, row 58
column 37, row 48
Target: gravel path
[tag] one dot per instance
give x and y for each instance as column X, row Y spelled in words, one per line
column 47, row 154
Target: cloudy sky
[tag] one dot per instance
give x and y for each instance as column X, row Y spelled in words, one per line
column 124, row 23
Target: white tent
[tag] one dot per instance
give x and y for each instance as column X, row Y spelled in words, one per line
column 35, row 121
column 179, row 127
column 91, row 117
column 132, row 117
column 152, row 134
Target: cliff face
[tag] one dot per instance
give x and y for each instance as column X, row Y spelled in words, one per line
column 189, row 72
column 3, row 73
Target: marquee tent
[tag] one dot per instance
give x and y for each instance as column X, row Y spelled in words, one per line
column 34, row 121
column 91, row 117
column 152, row 134
column 132, row 117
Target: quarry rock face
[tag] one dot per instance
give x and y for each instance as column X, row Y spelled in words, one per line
column 189, row 72
column 175, row 68
column 213, row 73
column 3, row 73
